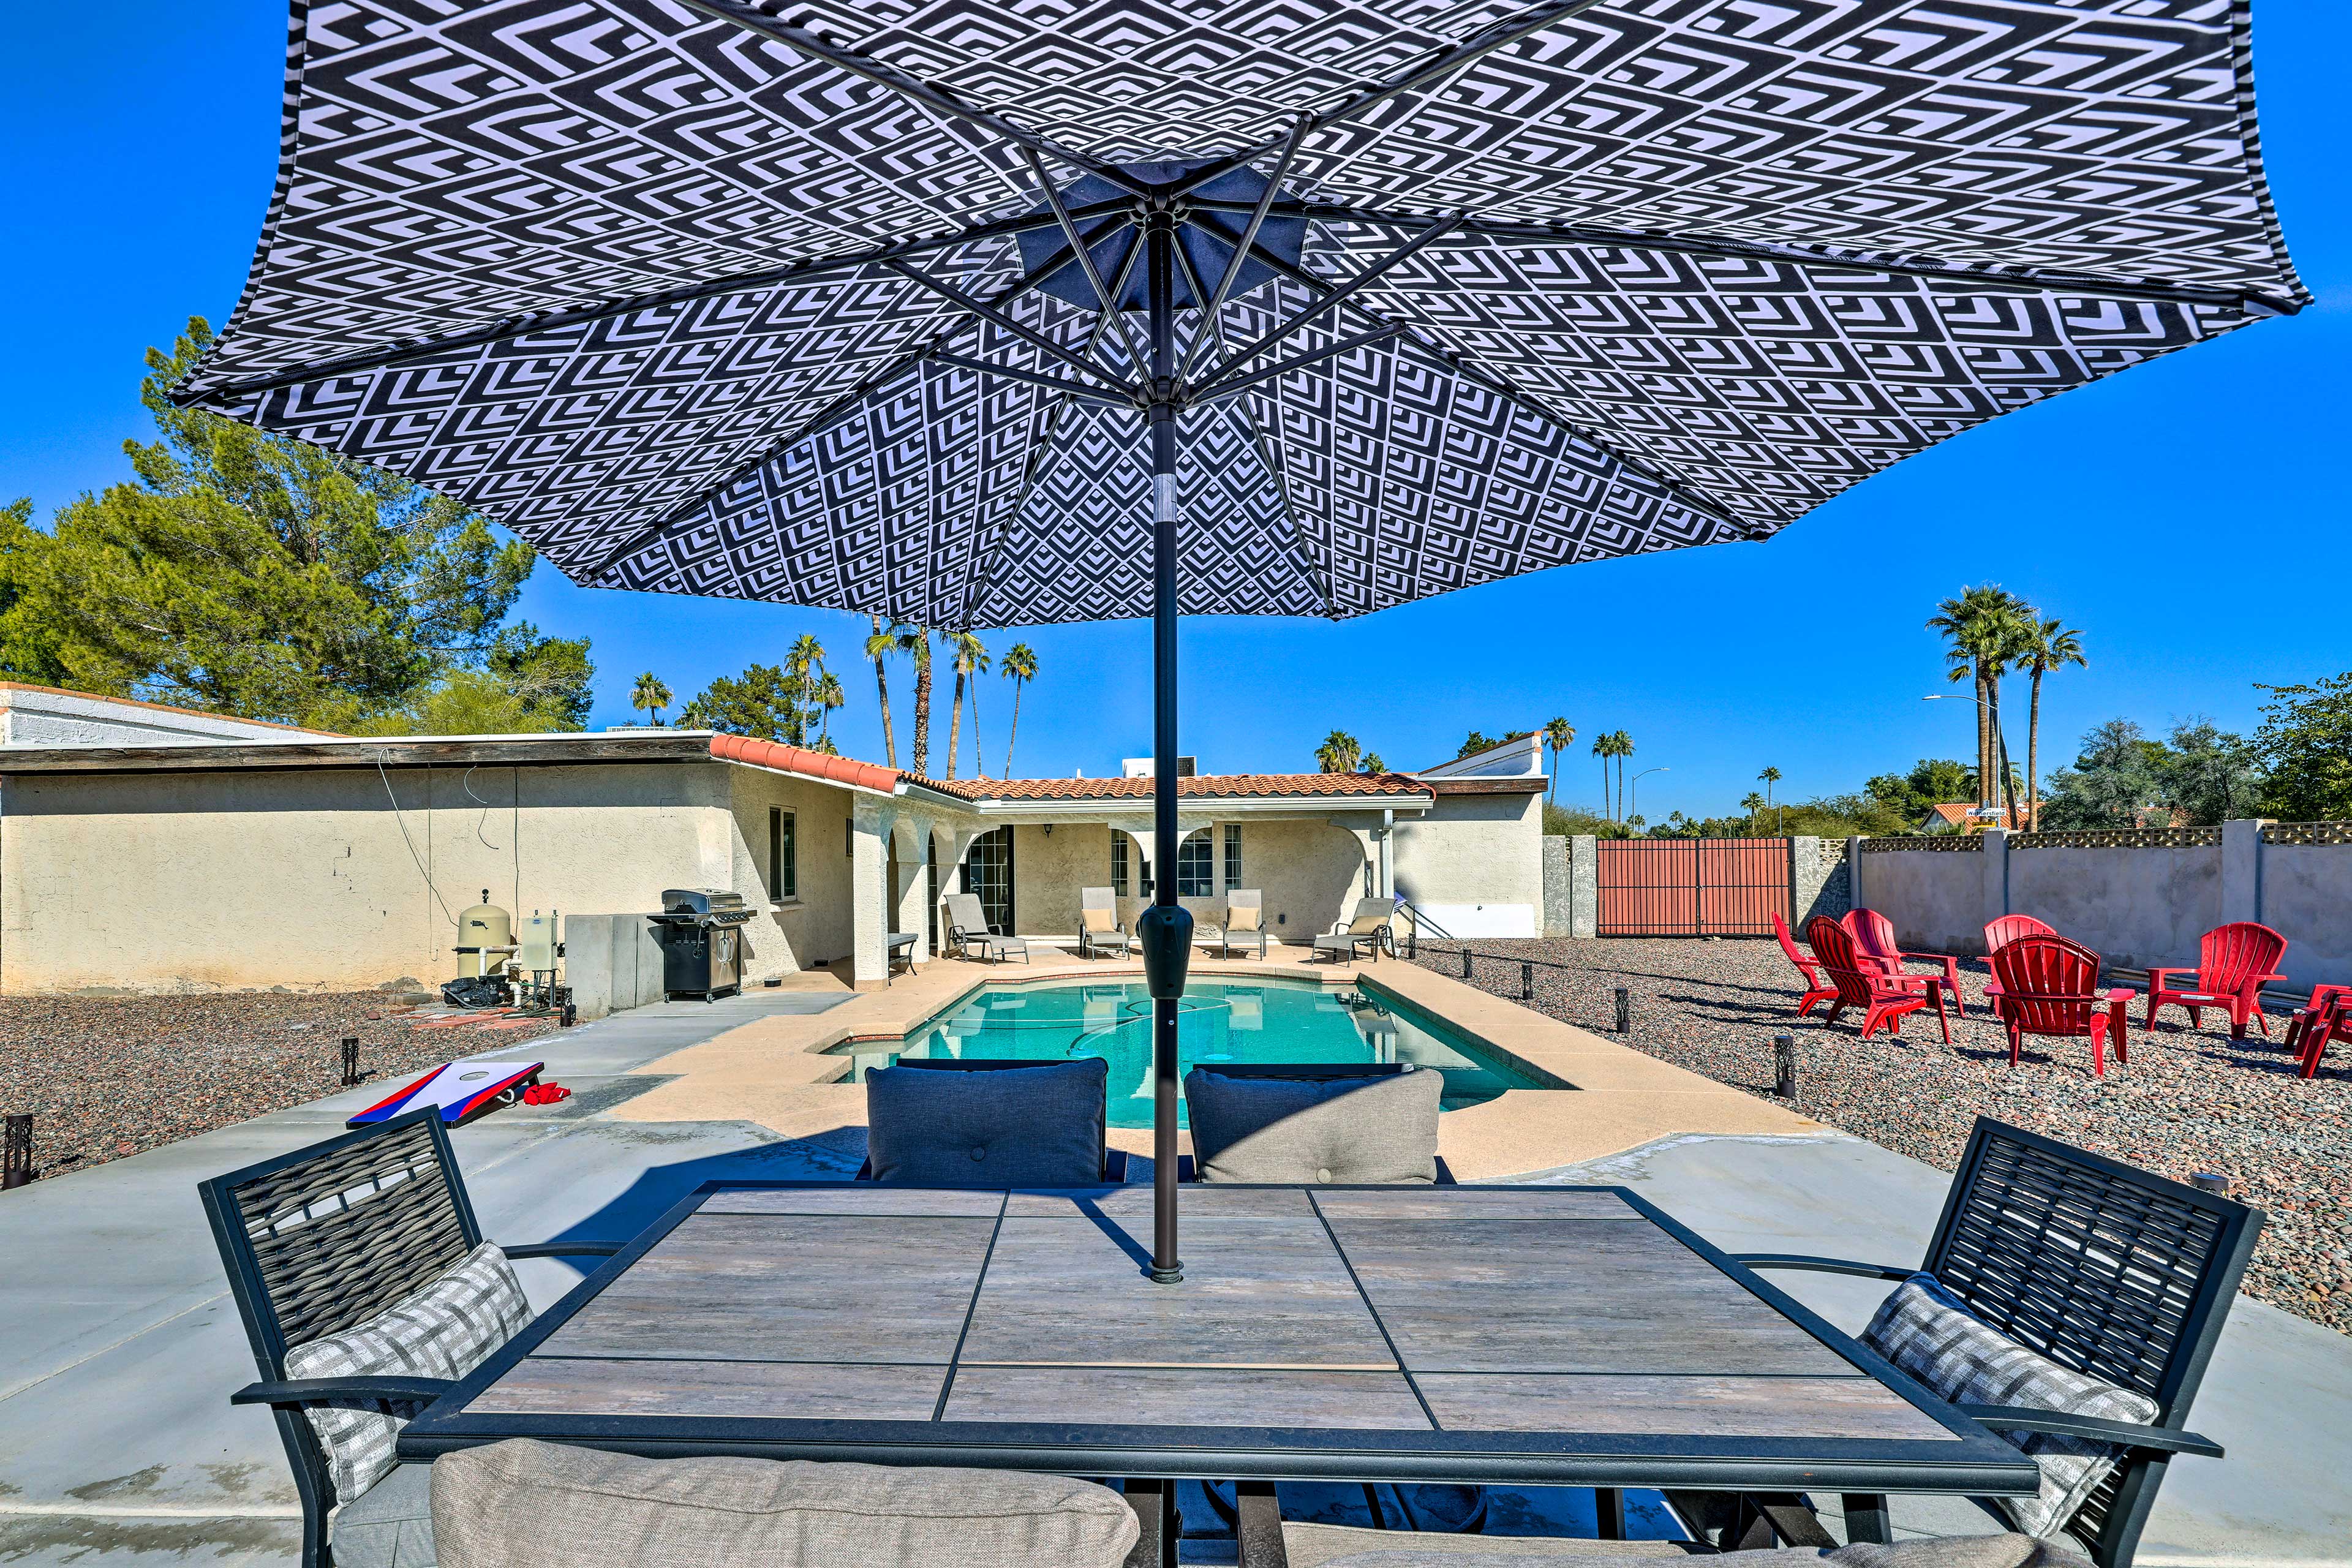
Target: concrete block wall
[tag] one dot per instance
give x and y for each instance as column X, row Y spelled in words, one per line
column 2140, row 904
column 612, row 963
column 1817, row 880
column 1559, row 918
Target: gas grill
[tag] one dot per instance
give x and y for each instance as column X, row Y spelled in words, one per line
column 701, row 936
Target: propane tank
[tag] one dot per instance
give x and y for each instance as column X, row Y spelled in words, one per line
column 482, row 932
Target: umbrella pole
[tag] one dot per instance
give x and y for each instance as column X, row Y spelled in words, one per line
column 1166, row 928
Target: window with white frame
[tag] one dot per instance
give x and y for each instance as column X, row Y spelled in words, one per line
column 1121, row 849
column 1196, row 869
column 1232, row 856
column 783, row 857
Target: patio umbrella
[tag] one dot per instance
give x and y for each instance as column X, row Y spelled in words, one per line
column 807, row 303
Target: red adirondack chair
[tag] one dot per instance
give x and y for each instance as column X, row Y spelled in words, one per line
column 2233, row 961
column 2329, row 1017
column 2000, row 933
column 2051, row 987
column 2323, row 995
column 1884, row 998
column 1874, row 939
column 1817, row 990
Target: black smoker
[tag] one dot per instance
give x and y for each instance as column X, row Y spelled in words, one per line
column 701, row 937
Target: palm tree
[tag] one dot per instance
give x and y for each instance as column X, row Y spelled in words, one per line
column 805, row 665
column 649, row 695
column 1559, row 735
column 1751, row 804
column 1018, row 666
column 879, row 646
column 1372, row 764
column 1983, row 629
column 1770, row 777
column 1622, row 748
column 828, row 697
column 2046, row 646
column 969, row 658
column 914, row 642
column 1339, row 753
column 1604, row 746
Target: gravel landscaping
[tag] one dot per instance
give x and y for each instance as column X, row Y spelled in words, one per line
column 2187, row 1101
column 110, row 1076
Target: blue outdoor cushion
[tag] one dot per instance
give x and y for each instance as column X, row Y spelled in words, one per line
column 1012, row 1127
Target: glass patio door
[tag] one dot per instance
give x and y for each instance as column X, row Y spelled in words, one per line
column 988, row 871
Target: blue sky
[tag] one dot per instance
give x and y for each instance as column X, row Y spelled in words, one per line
column 2179, row 513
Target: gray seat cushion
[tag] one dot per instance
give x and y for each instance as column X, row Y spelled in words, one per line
column 525, row 1504
column 1370, row 1130
column 1021, row 1127
column 446, row 1330
column 1929, row 1332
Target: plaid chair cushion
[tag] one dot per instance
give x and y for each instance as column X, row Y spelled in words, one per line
column 1925, row 1330
column 446, row 1330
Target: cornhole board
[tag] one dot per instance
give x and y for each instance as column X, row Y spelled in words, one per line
column 461, row 1088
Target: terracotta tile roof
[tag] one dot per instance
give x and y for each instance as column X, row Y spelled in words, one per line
column 802, row 761
column 1225, row 786
column 1955, row 813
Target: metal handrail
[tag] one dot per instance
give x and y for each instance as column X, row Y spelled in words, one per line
column 1421, row 919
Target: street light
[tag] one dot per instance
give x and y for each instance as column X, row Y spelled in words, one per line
column 1634, row 789
column 2000, row 739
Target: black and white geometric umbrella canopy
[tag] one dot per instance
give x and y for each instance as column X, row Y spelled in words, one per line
column 773, row 302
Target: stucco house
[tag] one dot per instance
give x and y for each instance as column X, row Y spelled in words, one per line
column 331, row 862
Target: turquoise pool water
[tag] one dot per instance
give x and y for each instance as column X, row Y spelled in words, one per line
column 1222, row 1021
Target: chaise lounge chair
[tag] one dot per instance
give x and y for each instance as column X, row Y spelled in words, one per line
column 1245, row 923
column 1368, row 929
column 1100, row 930
column 969, row 931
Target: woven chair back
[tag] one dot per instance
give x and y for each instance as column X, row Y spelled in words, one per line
column 2000, row 933
column 333, row 1234
column 2114, row 1271
column 2231, row 956
column 2049, row 985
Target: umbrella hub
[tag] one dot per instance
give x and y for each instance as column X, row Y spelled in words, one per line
column 1206, row 236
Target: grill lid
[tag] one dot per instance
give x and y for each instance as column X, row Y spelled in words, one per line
column 705, row 906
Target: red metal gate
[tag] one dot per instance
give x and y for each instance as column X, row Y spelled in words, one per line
column 1692, row 886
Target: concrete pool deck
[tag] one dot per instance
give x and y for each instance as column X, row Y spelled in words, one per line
column 118, row 1345
column 772, row 1070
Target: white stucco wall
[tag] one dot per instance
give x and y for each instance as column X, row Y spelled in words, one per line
column 2305, row 895
column 2137, row 906
column 44, row 716
column 815, row 926
column 1475, row 864
column 303, row 879
column 1310, row 871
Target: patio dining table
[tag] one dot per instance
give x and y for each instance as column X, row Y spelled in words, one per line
column 1509, row 1335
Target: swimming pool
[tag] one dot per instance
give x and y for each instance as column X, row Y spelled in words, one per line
column 1222, row 1021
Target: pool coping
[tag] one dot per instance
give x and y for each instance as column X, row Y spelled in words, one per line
column 774, row 1071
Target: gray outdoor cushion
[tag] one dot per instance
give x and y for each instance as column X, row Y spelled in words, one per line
column 390, row 1526
column 1017, row 1127
column 446, row 1330
column 1478, row 1552
column 524, row 1504
column 1367, row 1130
column 1926, row 1331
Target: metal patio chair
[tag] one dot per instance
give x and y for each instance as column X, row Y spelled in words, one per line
column 2113, row 1272
column 1244, row 924
column 1367, row 929
column 318, row 1242
column 1099, row 928
column 969, row 928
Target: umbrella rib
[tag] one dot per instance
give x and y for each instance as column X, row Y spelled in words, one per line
column 1232, row 384
column 983, row 308
column 1590, row 237
column 1241, row 253
column 986, row 571
column 824, row 419
column 1216, row 325
column 1059, row 383
column 936, row 99
column 1439, row 64
column 1339, row 296
column 510, row 327
column 1456, row 364
column 1079, row 246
